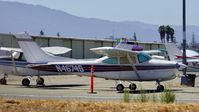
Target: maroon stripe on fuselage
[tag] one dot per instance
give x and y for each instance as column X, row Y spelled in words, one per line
column 103, row 68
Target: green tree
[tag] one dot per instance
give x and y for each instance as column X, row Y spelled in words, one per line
column 41, row 32
column 193, row 41
column 134, row 36
column 172, row 32
column 58, row 34
column 168, row 32
column 161, row 30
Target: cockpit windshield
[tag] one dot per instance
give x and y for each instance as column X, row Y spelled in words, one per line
column 142, row 57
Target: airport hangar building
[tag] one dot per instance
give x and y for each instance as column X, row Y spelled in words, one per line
column 80, row 46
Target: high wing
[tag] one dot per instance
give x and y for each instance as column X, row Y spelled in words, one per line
column 152, row 51
column 52, row 50
column 113, row 52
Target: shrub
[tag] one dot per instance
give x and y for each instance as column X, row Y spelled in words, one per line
column 168, row 96
column 154, row 98
column 142, row 97
column 126, row 96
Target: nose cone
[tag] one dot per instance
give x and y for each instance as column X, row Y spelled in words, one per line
column 181, row 66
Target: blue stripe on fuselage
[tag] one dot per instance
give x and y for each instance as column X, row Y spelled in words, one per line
column 10, row 63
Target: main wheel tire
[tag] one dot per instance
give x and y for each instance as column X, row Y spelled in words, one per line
column 160, row 88
column 26, row 82
column 3, row 81
column 132, row 86
column 40, row 81
column 120, row 87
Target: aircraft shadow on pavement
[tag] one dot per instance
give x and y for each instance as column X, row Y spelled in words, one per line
column 62, row 86
column 191, row 92
column 148, row 91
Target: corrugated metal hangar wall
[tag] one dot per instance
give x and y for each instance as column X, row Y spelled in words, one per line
column 80, row 47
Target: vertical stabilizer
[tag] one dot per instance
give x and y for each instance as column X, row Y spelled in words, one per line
column 33, row 53
column 173, row 51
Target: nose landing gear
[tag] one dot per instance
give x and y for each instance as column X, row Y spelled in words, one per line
column 160, row 88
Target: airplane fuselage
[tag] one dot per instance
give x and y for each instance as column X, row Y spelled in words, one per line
column 150, row 71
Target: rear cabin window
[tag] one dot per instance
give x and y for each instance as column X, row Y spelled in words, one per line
column 121, row 60
column 142, row 57
column 111, row 61
column 124, row 60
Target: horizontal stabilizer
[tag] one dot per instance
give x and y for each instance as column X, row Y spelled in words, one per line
column 56, row 50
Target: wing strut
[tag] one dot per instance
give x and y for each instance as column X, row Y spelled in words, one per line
column 14, row 64
column 133, row 66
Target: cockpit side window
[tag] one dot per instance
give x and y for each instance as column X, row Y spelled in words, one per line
column 142, row 57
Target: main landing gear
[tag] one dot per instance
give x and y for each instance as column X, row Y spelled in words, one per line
column 3, row 80
column 39, row 81
column 26, row 82
column 132, row 87
column 120, row 87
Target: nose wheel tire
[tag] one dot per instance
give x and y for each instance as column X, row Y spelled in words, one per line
column 132, row 86
column 40, row 81
column 26, row 82
column 120, row 87
column 160, row 88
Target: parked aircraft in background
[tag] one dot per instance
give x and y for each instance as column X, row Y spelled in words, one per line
column 175, row 54
column 15, row 63
column 118, row 64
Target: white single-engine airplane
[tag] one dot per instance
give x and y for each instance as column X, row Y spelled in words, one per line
column 15, row 63
column 118, row 64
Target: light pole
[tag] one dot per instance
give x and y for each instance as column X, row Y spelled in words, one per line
column 184, row 35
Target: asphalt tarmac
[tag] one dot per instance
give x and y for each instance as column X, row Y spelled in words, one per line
column 74, row 87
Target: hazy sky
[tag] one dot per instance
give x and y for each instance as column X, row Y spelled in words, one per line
column 148, row 11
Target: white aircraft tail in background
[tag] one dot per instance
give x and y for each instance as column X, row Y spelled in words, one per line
column 175, row 54
column 173, row 51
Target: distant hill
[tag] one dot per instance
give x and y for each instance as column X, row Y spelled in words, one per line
column 18, row 17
